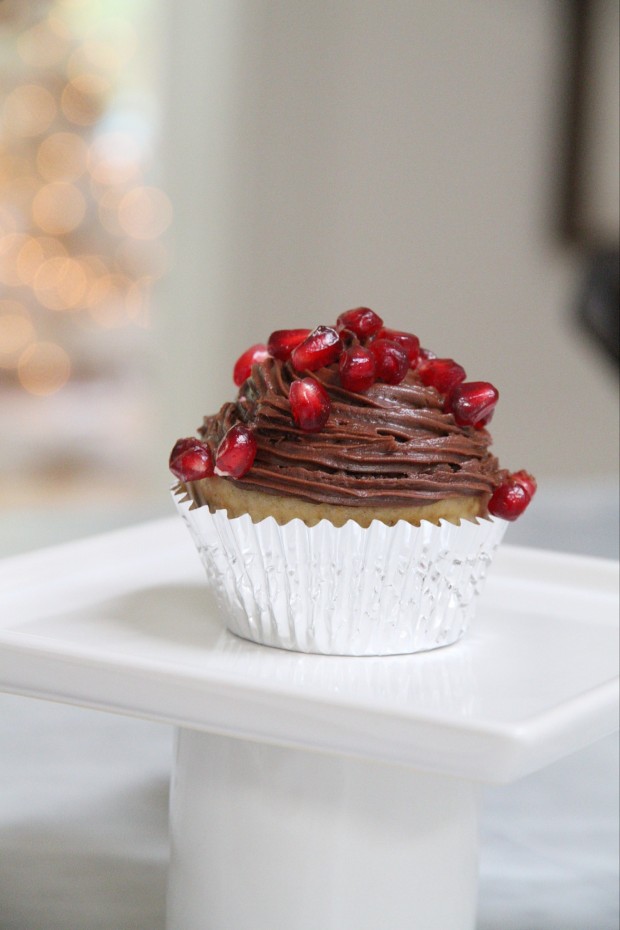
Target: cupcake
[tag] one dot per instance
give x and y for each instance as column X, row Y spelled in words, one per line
column 347, row 501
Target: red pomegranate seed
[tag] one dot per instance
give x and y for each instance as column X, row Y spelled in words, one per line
column 348, row 339
column 357, row 369
column 362, row 321
column 243, row 365
column 409, row 342
column 391, row 360
column 426, row 353
column 509, row 499
column 191, row 460
column 283, row 341
column 236, row 452
column 321, row 347
column 310, row 404
column 527, row 481
column 472, row 403
column 440, row 373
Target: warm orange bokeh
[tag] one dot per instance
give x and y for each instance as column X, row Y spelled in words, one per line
column 43, row 368
column 58, row 208
column 62, row 156
column 29, row 110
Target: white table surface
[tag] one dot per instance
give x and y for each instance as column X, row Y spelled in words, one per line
column 83, row 813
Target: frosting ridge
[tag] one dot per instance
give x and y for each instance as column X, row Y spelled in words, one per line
column 391, row 445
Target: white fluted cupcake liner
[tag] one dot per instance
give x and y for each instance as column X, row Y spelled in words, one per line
column 381, row 590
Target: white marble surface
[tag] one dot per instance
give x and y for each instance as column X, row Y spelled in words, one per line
column 83, row 811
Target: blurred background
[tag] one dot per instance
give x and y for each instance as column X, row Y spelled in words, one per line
column 178, row 180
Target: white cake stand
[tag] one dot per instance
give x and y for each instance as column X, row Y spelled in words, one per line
column 309, row 792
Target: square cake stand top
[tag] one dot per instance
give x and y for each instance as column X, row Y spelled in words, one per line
column 125, row 622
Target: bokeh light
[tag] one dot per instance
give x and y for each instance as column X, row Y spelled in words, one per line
column 10, row 247
column 115, row 158
column 34, row 252
column 60, row 284
column 62, row 156
column 16, row 332
column 45, row 44
column 29, row 110
column 84, row 98
column 58, row 208
column 43, row 368
column 18, row 196
column 111, row 48
column 80, row 227
column 95, row 267
column 145, row 213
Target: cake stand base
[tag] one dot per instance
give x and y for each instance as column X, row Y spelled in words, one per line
column 265, row 837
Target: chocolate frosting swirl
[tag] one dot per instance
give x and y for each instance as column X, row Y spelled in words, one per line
column 391, row 445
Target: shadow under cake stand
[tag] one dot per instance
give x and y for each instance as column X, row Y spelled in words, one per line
column 310, row 791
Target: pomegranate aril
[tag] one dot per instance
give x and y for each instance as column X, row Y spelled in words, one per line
column 183, row 445
column 440, row 373
column 391, row 360
column 362, row 321
column 472, row 403
column 283, row 341
column 357, row 369
column 310, row 404
column 407, row 341
column 426, row 353
column 236, row 452
column 191, row 460
column 509, row 500
column 527, row 481
column 348, row 339
column 243, row 365
column 320, row 348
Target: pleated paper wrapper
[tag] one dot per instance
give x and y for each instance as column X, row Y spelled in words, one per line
column 380, row 590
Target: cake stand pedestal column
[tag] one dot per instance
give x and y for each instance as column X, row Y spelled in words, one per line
column 271, row 838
